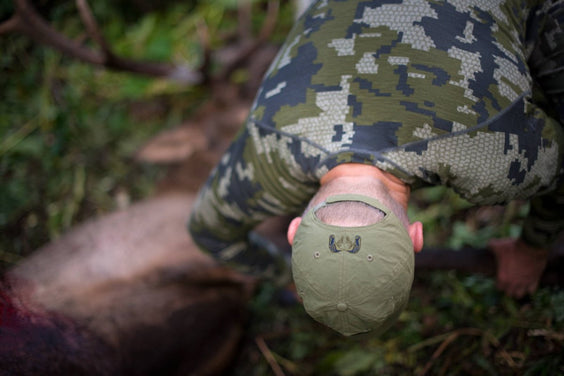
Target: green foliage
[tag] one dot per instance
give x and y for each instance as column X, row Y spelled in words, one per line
column 450, row 221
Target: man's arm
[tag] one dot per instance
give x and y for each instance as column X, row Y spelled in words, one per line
column 242, row 191
column 521, row 262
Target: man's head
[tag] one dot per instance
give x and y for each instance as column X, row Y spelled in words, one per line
column 353, row 262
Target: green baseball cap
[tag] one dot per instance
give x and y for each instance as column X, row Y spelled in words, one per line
column 353, row 279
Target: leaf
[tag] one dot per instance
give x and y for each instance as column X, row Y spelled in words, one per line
column 159, row 46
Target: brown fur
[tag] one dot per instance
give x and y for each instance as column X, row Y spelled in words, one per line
column 130, row 285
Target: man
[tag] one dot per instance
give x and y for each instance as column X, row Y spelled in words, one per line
column 370, row 99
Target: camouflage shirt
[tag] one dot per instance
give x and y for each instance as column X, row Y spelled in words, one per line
column 462, row 93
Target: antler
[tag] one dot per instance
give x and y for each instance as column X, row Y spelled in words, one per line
column 26, row 20
column 252, row 45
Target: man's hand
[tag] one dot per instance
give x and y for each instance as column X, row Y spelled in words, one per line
column 519, row 266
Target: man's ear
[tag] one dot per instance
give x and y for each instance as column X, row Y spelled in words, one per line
column 292, row 228
column 415, row 231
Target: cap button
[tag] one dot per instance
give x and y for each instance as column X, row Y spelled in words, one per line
column 342, row 307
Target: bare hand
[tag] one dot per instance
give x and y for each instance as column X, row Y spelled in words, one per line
column 519, row 266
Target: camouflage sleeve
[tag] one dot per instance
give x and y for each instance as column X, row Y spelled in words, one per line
column 250, row 184
column 545, row 221
column 546, row 37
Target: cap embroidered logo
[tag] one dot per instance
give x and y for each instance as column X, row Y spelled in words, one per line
column 344, row 243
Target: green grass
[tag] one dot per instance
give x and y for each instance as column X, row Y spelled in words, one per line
column 453, row 325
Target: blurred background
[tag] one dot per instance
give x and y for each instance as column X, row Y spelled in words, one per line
column 70, row 134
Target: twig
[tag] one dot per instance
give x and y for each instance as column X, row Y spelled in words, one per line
column 449, row 339
column 249, row 48
column 9, row 257
column 268, row 356
column 549, row 334
column 508, row 359
column 204, row 38
column 92, row 26
column 270, row 20
column 428, row 342
column 28, row 22
column 445, row 367
column 10, row 25
column 18, row 136
column 244, row 11
column 438, row 352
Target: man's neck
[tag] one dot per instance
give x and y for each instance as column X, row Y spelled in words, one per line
column 397, row 189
